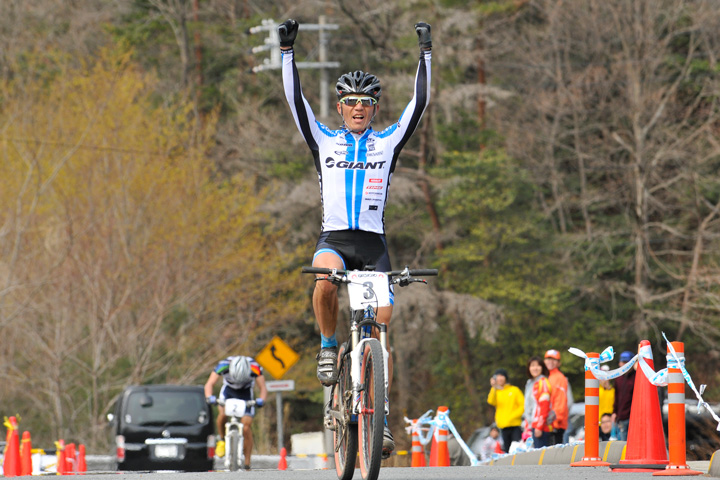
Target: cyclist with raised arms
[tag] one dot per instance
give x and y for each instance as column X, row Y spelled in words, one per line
column 239, row 374
column 354, row 164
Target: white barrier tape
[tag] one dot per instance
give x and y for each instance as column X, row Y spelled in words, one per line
column 681, row 364
column 593, row 364
column 660, row 378
column 473, row 459
column 440, row 422
column 423, row 420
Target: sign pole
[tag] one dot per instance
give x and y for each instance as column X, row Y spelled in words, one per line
column 278, row 403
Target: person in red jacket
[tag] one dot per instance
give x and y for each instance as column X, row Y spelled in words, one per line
column 540, row 425
column 558, row 397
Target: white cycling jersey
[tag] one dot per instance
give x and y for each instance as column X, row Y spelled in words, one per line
column 354, row 170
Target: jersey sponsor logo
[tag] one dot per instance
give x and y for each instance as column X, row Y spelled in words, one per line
column 373, row 207
column 344, row 144
column 331, row 163
column 375, row 154
column 376, row 180
column 374, row 187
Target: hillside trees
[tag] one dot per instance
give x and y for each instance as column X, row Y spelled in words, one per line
column 615, row 115
column 122, row 259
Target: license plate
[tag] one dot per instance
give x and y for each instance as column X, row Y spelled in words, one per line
column 166, row 451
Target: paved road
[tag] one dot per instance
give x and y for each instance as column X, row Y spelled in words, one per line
column 517, row 472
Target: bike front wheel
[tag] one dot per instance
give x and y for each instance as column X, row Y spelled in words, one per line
column 345, row 436
column 232, row 443
column 371, row 420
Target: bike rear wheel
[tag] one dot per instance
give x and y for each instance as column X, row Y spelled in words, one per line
column 371, row 420
column 345, row 437
column 232, row 450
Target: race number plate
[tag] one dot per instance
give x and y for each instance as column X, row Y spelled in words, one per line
column 234, row 407
column 368, row 288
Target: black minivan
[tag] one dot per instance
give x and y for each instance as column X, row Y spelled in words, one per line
column 163, row 427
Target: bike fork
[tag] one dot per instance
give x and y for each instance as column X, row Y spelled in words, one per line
column 355, row 374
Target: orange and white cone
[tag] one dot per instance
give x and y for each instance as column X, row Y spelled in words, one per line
column 592, row 413
column 418, row 451
column 676, row 416
column 439, row 453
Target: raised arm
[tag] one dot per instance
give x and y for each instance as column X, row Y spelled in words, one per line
column 410, row 118
column 300, row 108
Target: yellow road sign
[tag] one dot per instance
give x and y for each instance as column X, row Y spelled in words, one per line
column 277, row 357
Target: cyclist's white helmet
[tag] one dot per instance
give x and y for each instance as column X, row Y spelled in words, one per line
column 239, row 371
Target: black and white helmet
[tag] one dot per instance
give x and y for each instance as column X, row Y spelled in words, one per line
column 358, row 82
column 239, row 371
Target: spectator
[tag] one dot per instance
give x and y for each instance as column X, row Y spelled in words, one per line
column 624, row 386
column 558, row 396
column 509, row 404
column 607, row 395
column 539, row 417
column 491, row 444
column 606, row 427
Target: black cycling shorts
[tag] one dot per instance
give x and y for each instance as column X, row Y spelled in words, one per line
column 356, row 248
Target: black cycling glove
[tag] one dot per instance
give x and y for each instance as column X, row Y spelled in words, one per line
column 423, row 32
column 287, row 32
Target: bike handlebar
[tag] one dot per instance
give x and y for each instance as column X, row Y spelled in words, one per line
column 420, row 272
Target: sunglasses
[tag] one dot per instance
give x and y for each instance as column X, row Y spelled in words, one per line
column 364, row 101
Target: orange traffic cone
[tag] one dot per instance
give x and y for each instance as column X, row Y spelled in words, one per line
column 60, row 453
column 439, row 453
column 418, row 452
column 26, row 455
column 81, row 464
column 70, row 458
column 282, row 465
column 646, row 437
column 11, row 463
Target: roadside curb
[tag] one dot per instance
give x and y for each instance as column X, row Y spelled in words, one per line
column 714, row 469
column 612, row 451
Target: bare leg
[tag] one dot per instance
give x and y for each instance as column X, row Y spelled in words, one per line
column 247, row 434
column 325, row 299
column 221, row 419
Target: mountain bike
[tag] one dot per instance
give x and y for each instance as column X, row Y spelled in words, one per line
column 358, row 401
column 234, row 441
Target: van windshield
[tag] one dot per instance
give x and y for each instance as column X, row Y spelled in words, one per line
column 165, row 408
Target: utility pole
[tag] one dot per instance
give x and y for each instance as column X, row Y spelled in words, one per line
column 272, row 43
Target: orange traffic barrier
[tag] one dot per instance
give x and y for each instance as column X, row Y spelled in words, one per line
column 81, row 462
column 592, row 420
column 439, row 453
column 418, row 451
column 645, row 449
column 11, row 462
column 676, row 416
column 26, row 455
column 61, row 464
column 282, row 465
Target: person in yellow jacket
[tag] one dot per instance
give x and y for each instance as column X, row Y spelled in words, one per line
column 509, row 403
column 606, row 395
